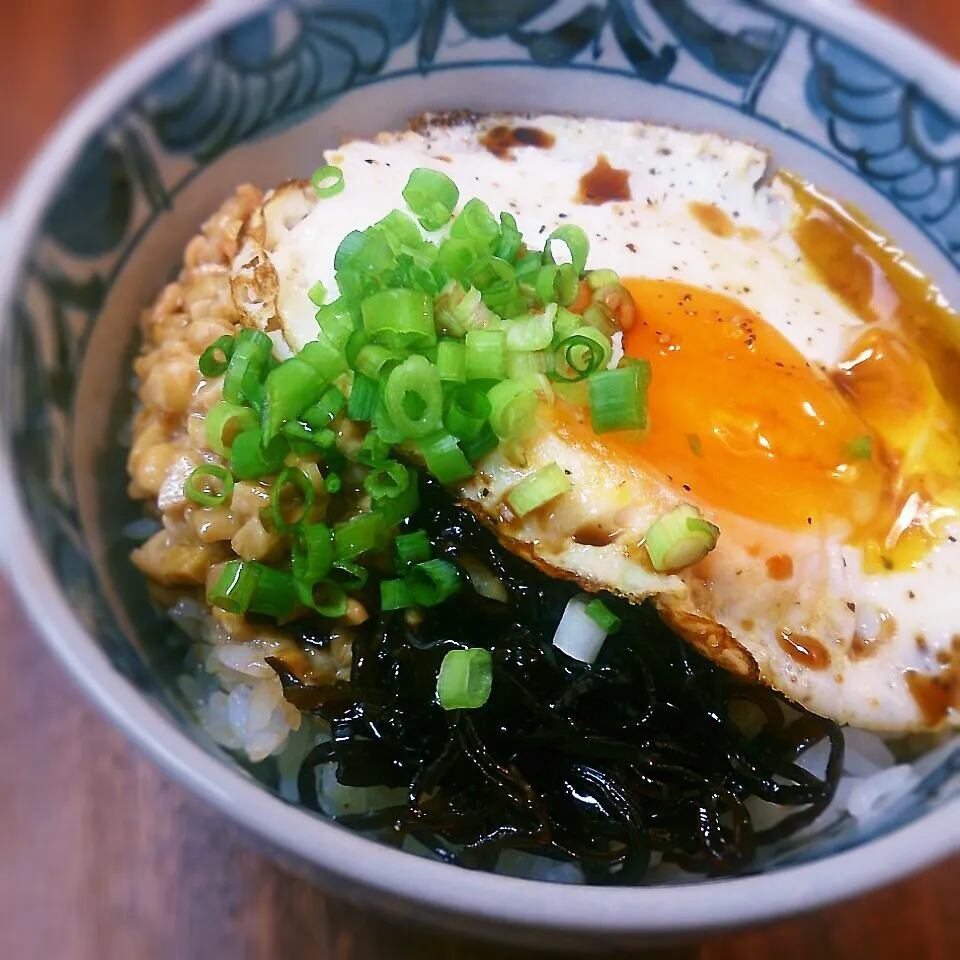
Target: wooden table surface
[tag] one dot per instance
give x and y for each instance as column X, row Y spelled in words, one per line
column 104, row 857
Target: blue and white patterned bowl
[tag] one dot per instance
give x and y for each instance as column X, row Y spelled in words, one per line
column 244, row 91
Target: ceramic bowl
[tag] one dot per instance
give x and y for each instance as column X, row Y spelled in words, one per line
column 248, row 92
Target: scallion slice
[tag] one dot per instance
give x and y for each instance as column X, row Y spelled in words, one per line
column 328, row 598
column 433, row 581
column 400, row 319
column 394, row 595
column 466, row 679
column 444, row 458
column 576, row 242
column 209, row 485
column 451, row 361
column 317, row 293
column 468, row 411
column 325, row 357
column 275, row 594
column 223, row 422
column 289, row 389
column 351, row 576
column 216, row 358
column 313, row 553
column 235, row 587
column 291, row 477
column 513, row 408
column 540, row 487
column 364, row 395
column 486, row 357
column 618, row 398
column 432, row 196
column 474, row 450
column 363, row 533
column 400, row 508
column 322, row 413
column 413, row 397
column 411, row 548
column 861, row 448
column 246, row 368
column 251, row 459
column 531, row 332
column 327, row 181
column 387, row 481
column 603, row 616
column 680, row 539
column 476, row 223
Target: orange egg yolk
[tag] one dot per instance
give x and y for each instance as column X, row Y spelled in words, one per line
column 740, row 418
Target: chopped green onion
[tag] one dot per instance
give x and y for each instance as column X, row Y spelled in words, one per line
column 513, row 408
column 433, row 581
column 455, row 256
column 326, row 359
column 333, row 483
column 567, row 284
column 250, row 459
column 466, row 679
column 476, row 223
column 432, row 196
column 476, row 449
column 540, row 487
column 511, row 240
column 861, row 448
column 351, row 576
column 201, row 485
column 468, row 411
column 486, row 356
column 327, row 181
column 223, row 422
column 394, row 595
column 338, row 320
column 451, row 361
column 329, row 599
column 289, row 389
column 618, row 398
column 317, row 293
column 373, row 452
column 531, row 363
column 532, row 332
column 322, row 413
column 400, row 319
column 375, row 361
column 565, row 324
column 245, row 370
column 400, row 508
column 235, row 587
column 216, row 358
column 313, row 553
column 601, row 278
column 413, row 397
column 576, row 242
column 444, row 458
column 680, row 539
column 275, row 594
column 387, row 481
column 361, row 534
column 603, row 616
column 364, row 395
column 411, row 548
column 580, row 355
column 291, row 476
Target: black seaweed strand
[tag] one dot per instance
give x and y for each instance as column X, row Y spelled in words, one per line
column 606, row 765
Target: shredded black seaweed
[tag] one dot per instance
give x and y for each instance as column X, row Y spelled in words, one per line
column 602, row 765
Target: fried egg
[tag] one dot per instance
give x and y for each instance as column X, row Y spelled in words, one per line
column 804, row 397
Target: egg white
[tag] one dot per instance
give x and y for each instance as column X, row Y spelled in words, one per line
column 727, row 606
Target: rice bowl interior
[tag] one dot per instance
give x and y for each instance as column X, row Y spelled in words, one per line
column 809, row 532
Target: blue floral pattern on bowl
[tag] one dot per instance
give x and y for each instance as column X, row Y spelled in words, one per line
column 282, row 68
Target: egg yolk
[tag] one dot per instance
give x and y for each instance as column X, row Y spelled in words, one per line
column 740, row 418
column 742, row 422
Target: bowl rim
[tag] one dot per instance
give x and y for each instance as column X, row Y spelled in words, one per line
column 394, row 877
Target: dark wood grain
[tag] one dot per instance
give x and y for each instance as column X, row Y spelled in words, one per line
column 104, row 857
